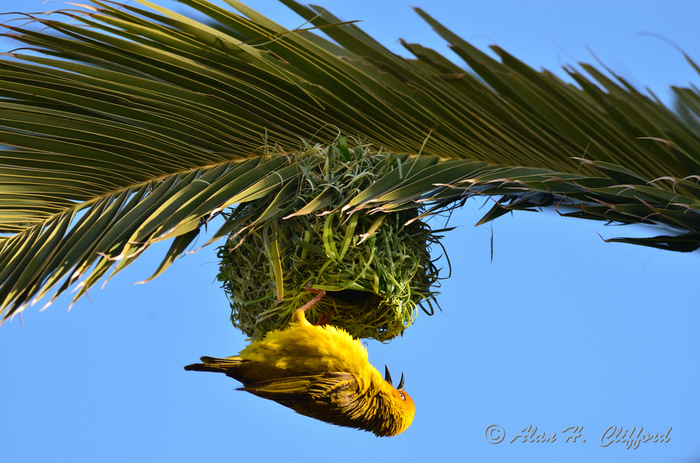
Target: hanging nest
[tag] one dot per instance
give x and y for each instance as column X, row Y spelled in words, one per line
column 375, row 268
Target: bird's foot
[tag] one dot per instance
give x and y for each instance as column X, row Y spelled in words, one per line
column 320, row 293
column 325, row 318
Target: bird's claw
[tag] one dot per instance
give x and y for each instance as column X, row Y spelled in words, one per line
column 325, row 318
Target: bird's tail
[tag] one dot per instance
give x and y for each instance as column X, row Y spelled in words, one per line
column 216, row 365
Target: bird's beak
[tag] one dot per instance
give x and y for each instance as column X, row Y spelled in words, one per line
column 400, row 388
column 387, row 376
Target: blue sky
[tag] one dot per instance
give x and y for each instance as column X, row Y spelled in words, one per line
column 561, row 330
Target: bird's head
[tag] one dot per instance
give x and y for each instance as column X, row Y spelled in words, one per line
column 398, row 408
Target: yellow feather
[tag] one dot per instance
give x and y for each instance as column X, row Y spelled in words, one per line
column 321, row 372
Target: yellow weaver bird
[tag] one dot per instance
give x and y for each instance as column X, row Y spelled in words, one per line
column 321, row 372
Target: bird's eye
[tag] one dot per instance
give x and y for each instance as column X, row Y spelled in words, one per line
column 403, row 396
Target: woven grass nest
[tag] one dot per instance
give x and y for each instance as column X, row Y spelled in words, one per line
column 375, row 268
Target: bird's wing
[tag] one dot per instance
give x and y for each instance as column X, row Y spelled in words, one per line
column 330, row 397
column 292, row 388
column 327, row 391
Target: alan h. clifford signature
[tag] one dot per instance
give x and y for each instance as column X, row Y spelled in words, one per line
column 631, row 438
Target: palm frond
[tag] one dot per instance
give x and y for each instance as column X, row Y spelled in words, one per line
column 126, row 126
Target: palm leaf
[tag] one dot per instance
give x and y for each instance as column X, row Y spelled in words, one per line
column 126, row 126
